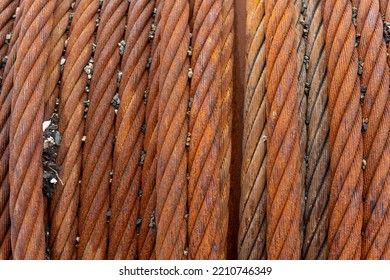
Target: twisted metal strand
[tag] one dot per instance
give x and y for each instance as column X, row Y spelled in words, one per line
column 204, row 193
column 25, row 175
column 252, row 230
column 148, row 230
column 227, row 37
column 172, row 132
column 97, row 156
column 5, row 114
column 345, row 206
column 128, row 148
column 376, row 129
column 57, row 40
column 283, row 164
column 317, row 152
column 65, row 202
column 7, row 12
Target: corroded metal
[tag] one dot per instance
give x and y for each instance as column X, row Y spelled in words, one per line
column 227, row 61
column 346, row 144
column 5, row 113
column 65, row 202
column 252, row 230
column 376, row 110
column 283, row 148
column 58, row 36
column 148, row 229
column 171, row 184
column 129, row 136
column 99, row 128
column 25, row 173
column 204, row 160
column 317, row 152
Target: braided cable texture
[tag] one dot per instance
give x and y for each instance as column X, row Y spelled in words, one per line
column 172, row 132
column 147, row 231
column 26, row 197
column 204, row 195
column 57, row 44
column 376, row 112
column 252, row 230
column 346, row 150
column 227, row 38
column 283, row 164
column 7, row 11
column 65, row 202
column 5, row 113
column 99, row 130
column 129, row 139
column 317, row 153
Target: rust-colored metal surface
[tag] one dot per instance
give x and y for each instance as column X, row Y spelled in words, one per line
column 25, row 172
column 7, row 15
column 65, row 202
column 315, row 217
column 252, row 230
column 376, row 129
column 303, row 59
column 171, row 184
column 58, row 36
column 283, row 165
column 6, row 84
column 227, row 61
column 129, row 136
column 97, row 154
column 346, row 148
column 204, row 160
column 148, row 229
column 239, row 50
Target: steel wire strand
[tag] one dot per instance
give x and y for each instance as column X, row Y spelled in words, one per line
column 7, row 15
column 376, row 129
column 172, row 132
column 283, row 164
column 227, row 60
column 204, row 193
column 148, row 229
column 25, row 172
column 252, row 230
column 58, row 36
column 99, row 127
column 385, row 11
column 65, row 202
column 317, row 153
column 345, row 206
column 128, row 148
column 5, row 114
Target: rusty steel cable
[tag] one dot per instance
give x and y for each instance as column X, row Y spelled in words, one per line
column 345, row 206
column 65, row 201
column 227, row 37
column 57, row 40
column 204, row 162
column 5, row 114
column 171, row 184
column 252, row 230
column 129, row 136
column 147, row 212
column 376, row 130
column 99, row 127
column 385, row 10
column 7, row 15
column 317, row 153
column 303, row 60
column 25, row 175
column 283, row 164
